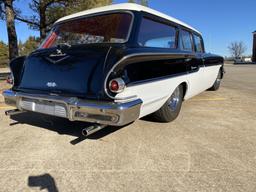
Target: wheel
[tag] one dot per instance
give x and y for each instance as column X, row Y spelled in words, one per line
column 171, row 109
column 217, row 82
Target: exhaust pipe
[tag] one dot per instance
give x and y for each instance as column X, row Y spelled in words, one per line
column 13, row 112
column 92, row 129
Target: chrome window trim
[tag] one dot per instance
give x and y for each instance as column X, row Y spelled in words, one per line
column 169, row 24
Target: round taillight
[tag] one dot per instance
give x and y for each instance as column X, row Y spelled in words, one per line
column 117, row 85
column 114, row 86
column 9, row 79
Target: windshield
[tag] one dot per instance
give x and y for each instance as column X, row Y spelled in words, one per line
column 111, row 28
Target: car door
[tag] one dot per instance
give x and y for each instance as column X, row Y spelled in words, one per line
column 194, row 65
column 211, row 63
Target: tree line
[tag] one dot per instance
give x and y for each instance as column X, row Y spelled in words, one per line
column 42, row 16
column 24, row 48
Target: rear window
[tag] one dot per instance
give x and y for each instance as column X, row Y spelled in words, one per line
column 111, row 28
column 186, row 40
column 155, row 34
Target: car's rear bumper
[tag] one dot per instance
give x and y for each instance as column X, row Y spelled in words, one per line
column 74, row 109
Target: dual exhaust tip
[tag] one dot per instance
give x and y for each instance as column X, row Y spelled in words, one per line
column 92, row 129
column 85, row 132
column 13, row 112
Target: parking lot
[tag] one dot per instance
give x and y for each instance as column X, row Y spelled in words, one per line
column 210, row 147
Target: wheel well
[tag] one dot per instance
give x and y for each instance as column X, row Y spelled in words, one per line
column 222, row 71
column 185, row 87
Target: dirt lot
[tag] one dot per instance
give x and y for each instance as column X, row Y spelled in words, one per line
column 210, row 147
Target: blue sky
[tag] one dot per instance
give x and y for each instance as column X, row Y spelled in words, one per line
column 220, row 21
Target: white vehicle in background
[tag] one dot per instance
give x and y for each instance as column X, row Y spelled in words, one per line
column 248, row 59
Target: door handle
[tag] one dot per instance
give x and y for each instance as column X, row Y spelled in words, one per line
column 194, row 68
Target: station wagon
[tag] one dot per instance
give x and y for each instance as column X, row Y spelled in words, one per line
column 113, row 65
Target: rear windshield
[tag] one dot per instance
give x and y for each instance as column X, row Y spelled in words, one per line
column 111, row 28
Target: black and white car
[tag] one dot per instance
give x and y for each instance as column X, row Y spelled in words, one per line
column 113, row 65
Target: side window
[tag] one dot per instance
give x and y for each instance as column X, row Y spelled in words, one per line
column 186, row 41
column 155, row 34
column 198, row 44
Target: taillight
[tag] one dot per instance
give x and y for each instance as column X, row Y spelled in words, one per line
column 117, row 85
column 9, row 79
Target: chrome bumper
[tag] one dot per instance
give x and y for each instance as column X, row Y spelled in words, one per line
column 74, row 109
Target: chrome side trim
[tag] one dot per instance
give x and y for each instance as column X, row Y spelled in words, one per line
column 156, row 100
column 134, row 55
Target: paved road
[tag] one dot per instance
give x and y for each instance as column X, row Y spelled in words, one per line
column 210, row 147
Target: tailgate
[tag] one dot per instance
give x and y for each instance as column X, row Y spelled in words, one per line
column 77, row 72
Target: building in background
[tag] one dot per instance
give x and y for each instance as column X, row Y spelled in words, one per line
column 254, row 47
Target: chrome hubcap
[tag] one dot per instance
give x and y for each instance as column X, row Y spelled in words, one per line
column 174, row 100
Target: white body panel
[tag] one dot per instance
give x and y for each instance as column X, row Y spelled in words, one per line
column 155, row 94
column 201, row 80
column 127, row 7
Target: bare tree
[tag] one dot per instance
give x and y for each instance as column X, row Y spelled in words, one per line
column 45, row 12
column 7, row 12
column 237, row 49
column 40, row 19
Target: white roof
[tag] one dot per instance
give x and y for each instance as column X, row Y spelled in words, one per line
column 126, row 6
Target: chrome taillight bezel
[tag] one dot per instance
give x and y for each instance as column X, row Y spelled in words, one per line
column 121, row 85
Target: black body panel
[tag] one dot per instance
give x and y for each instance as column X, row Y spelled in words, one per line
column 141, row 64
column 211, row 59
